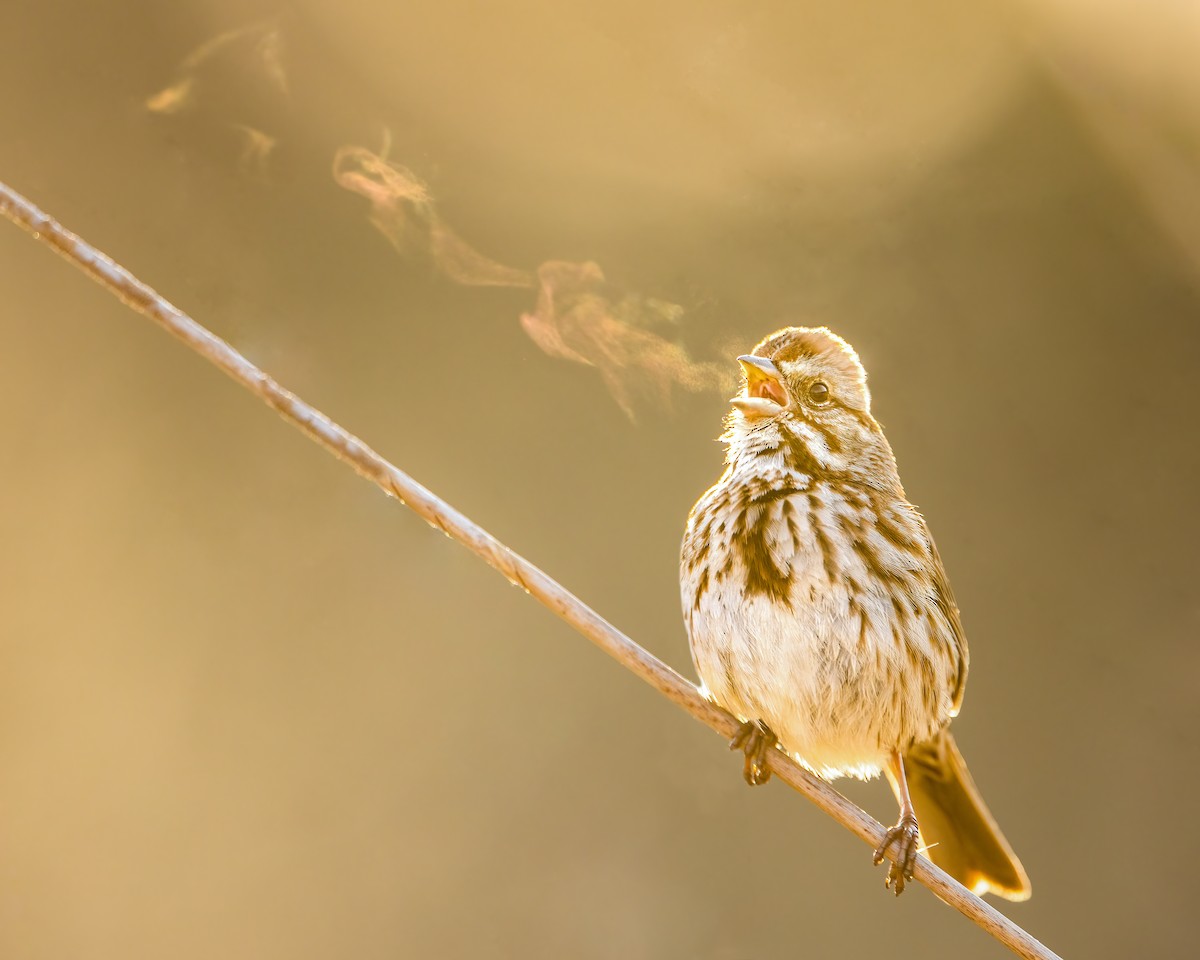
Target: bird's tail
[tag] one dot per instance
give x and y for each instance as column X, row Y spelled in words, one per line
column 956, row 826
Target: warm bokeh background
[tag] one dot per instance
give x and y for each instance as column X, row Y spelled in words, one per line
column 251, row 708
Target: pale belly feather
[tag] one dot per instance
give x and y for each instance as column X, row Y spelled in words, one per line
column 842, row 678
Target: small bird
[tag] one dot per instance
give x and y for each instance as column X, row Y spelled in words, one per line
column 819, row 613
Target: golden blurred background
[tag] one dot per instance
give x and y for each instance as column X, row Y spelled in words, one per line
column 250, row 708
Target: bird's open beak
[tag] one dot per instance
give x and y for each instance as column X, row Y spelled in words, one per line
column 765, row 394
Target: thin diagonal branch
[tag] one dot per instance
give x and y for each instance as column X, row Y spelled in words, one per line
column 118, row 281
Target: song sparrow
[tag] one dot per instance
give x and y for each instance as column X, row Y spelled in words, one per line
column 818, row 611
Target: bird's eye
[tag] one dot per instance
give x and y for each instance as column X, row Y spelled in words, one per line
column 818, row 393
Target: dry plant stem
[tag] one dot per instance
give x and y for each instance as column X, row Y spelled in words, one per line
column 514, row 567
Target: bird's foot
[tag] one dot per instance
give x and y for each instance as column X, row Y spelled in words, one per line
column 900, row 847
column 754, row 738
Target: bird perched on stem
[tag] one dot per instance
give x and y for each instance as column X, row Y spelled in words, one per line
column 818, row 610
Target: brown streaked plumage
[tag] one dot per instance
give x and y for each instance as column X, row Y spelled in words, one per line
column 819, row 612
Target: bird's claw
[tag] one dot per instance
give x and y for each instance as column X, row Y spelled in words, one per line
column 899, row 845
column 754, row 738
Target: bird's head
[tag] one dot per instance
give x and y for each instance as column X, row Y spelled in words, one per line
column 806, row 390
